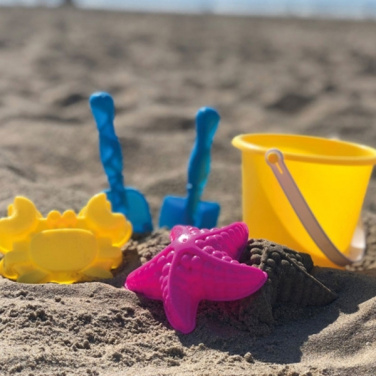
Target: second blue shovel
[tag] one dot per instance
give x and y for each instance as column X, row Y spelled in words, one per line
column 191, row 210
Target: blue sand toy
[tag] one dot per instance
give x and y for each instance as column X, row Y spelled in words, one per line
column 125, row 200
column 191, row 210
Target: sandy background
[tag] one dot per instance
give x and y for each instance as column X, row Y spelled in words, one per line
column 263, row 75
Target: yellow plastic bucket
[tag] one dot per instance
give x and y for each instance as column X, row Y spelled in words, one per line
column 306, row 193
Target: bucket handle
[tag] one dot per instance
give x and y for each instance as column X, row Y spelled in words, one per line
column 275, row 160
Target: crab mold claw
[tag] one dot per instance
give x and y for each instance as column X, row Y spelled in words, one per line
column 99, row 217
column 22, row 219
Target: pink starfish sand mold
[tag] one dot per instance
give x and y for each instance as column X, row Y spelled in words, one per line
column 199, row 264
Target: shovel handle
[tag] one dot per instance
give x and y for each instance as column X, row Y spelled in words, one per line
column 103, row 110
column 207, row 120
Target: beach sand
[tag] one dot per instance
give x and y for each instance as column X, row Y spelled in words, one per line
column 312, row 77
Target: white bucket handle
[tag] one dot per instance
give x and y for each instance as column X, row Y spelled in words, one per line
column 275, row 160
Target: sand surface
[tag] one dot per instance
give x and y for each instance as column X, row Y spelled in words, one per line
column 263, row 75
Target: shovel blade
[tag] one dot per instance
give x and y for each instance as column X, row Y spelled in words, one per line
column 136, row 209
column 173, row 212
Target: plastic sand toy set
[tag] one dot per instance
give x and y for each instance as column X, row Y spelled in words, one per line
column 301, row 187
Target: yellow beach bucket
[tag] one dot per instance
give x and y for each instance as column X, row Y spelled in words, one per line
column 306, row 193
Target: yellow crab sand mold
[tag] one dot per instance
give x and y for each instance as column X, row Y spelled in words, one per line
column 62, row 248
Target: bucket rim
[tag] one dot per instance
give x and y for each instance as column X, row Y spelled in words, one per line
column 240, row 143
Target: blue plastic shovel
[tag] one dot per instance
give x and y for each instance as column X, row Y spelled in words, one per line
column 125, row 200
column 191, row 210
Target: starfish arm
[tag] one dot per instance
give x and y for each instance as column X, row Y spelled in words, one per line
column 229, row 280
column 180, row 304
column 231, row 239
column 147, row 278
